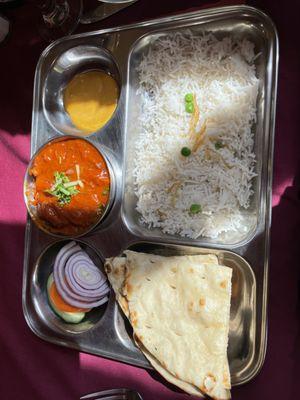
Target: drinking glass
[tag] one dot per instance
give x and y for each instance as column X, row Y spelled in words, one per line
column 58, row 17
column 61, row 17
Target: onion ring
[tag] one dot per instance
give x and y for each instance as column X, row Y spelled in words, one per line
column 79, row 282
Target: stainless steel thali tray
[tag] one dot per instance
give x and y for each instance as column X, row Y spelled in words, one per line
column 107, row 333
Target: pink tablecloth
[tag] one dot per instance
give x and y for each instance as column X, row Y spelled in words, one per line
column 34, row 369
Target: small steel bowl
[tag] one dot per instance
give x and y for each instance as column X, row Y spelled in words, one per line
column 76, row 60
column 43, row 267
column 29, row 190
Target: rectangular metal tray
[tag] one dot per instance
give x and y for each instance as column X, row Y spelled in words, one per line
column 110, row 336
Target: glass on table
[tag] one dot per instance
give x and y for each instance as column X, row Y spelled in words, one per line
column 58, row 17
column 61, row 17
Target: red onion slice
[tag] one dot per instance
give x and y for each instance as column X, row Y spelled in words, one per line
column 61, row 258
column 76, row 286
column 103, row 301
column 90, row 277
column 78, row 280
column 78, row 269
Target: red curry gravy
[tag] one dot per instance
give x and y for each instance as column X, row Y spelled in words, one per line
column 90, row 201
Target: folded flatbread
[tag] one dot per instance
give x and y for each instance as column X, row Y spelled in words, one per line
column 116, row 269
column 179, row 310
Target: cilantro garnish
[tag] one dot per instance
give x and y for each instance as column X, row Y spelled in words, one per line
column 63, row 189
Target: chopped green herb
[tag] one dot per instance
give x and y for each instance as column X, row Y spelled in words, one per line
column 189, row 98
column 62, row 188
column 219, row 145
column 105, row 191
column 195, row 209
column 189, row 107
column 101, row 208
column 185, row 151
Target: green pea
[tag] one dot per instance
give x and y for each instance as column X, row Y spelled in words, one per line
column 189, row 98
column 189, row 107
column 218, row 145
column 185, row 151
column 195, row 209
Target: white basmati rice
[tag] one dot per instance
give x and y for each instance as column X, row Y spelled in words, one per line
column 221, row 76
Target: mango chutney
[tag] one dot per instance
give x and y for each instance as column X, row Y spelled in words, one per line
column 90, row 99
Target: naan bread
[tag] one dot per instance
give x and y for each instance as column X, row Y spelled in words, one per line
column 186, row 387
column 179, row 309
column 116, row 269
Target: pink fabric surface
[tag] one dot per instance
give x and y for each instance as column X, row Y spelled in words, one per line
column 34, row 369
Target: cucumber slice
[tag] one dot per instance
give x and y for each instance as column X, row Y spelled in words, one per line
column 70, row 317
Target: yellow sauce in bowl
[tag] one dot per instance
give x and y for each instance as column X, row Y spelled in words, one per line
column 90, row 99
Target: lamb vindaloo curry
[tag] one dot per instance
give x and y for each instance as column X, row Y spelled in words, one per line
column 72, row 186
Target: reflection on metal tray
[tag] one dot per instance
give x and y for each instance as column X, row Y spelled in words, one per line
column 106, row 332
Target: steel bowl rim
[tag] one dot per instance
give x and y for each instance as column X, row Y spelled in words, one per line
column 112, row 189
column 83, row 134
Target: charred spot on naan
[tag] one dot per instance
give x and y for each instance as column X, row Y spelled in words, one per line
column 133, row 318
column 223, row 284
column 202, row 302
column 127, row 288
column 124, row 305
column 137, row 339
column 209, row 382
column 117, row 271
column 190, row 306
column 107, row 268
column 226, row 381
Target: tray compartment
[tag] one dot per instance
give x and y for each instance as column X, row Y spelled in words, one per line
column 253, row 27
column 43, row 268
column 104, row 324
column 75, row 60
column 242, row 327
